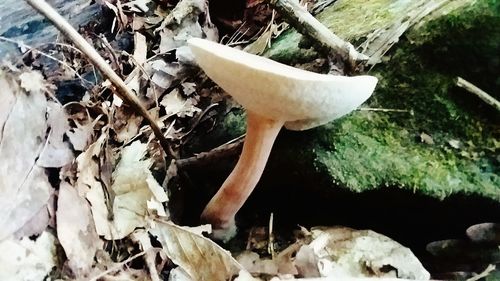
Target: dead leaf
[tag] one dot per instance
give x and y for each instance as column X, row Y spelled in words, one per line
column 341, row 252
column 76, row 231
column 188, row 88
column 26, row 259
column 427, row 139
column 32, row 81
column 253, row 263
column 56, row 152
column 126, row 124
column 198, row 256
column 24, row 186
column 81, row 135
column 455, row 144
column 138, row 5
column 162, row 74
column 174, row 103
column 133, row 185
column 37, row 224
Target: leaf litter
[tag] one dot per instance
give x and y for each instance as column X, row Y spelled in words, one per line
column 83, row 178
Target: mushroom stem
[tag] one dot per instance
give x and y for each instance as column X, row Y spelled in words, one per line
column 221, row 210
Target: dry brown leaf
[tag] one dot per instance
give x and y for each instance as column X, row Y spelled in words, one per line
column 27, row 260
column 76, row 231
column 133, row 186
column 24, row 186
column 198, row 256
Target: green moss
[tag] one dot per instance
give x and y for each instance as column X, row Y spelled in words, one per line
column 363, row 16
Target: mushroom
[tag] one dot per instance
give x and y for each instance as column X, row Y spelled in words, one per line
column 274, row 95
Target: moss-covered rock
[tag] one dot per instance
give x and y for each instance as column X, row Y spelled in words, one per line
column 440, row 141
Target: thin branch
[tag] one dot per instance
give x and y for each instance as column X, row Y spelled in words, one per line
column 462, row 83
column 308, row 25
column 20, row 44
column 122, row 90
column 208, row 158
column 117, row 266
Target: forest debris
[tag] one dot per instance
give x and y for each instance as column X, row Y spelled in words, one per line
column 381, row 40
column 343, row 252
column 471, row 88
column 27, row 259
column 141, row 236
column 56, row 152
column 24, row 186
column 189, row 251
column 426, row 138
column 81, row 135
column 122, row 90
column 181, row 24
column 264, row 40
column 133, row 186
column 206, row 158
column 303, row 21
column 126, row 124
column 174, row 103
column 483, row 274
column 76, row 231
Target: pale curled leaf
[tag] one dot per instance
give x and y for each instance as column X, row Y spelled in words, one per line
column 198, row 256
column 75, row 230
column 174, row 103
column 133, row 186
column 24, row 186
column 56, row 152
column 27, row 260
column 342, row 252
column 32, row 81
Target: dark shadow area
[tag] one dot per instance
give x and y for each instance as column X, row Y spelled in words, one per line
column 412, row 219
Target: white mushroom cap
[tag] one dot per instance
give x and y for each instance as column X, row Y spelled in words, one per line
column 302, row 99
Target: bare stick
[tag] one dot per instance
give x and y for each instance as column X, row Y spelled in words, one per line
column 122, row 90
column 308, row 25
column 208, row 158
column 462, row 83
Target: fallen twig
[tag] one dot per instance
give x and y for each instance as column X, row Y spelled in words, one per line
column 386, row 110
column 122, row 90
column 308, row 25
column 117, row 266
column 483, row 274
column 462, row 83
column 207, row 158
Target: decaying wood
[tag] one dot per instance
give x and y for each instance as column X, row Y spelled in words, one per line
column 20, row 23
column 122, row 90
column 308, row 25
